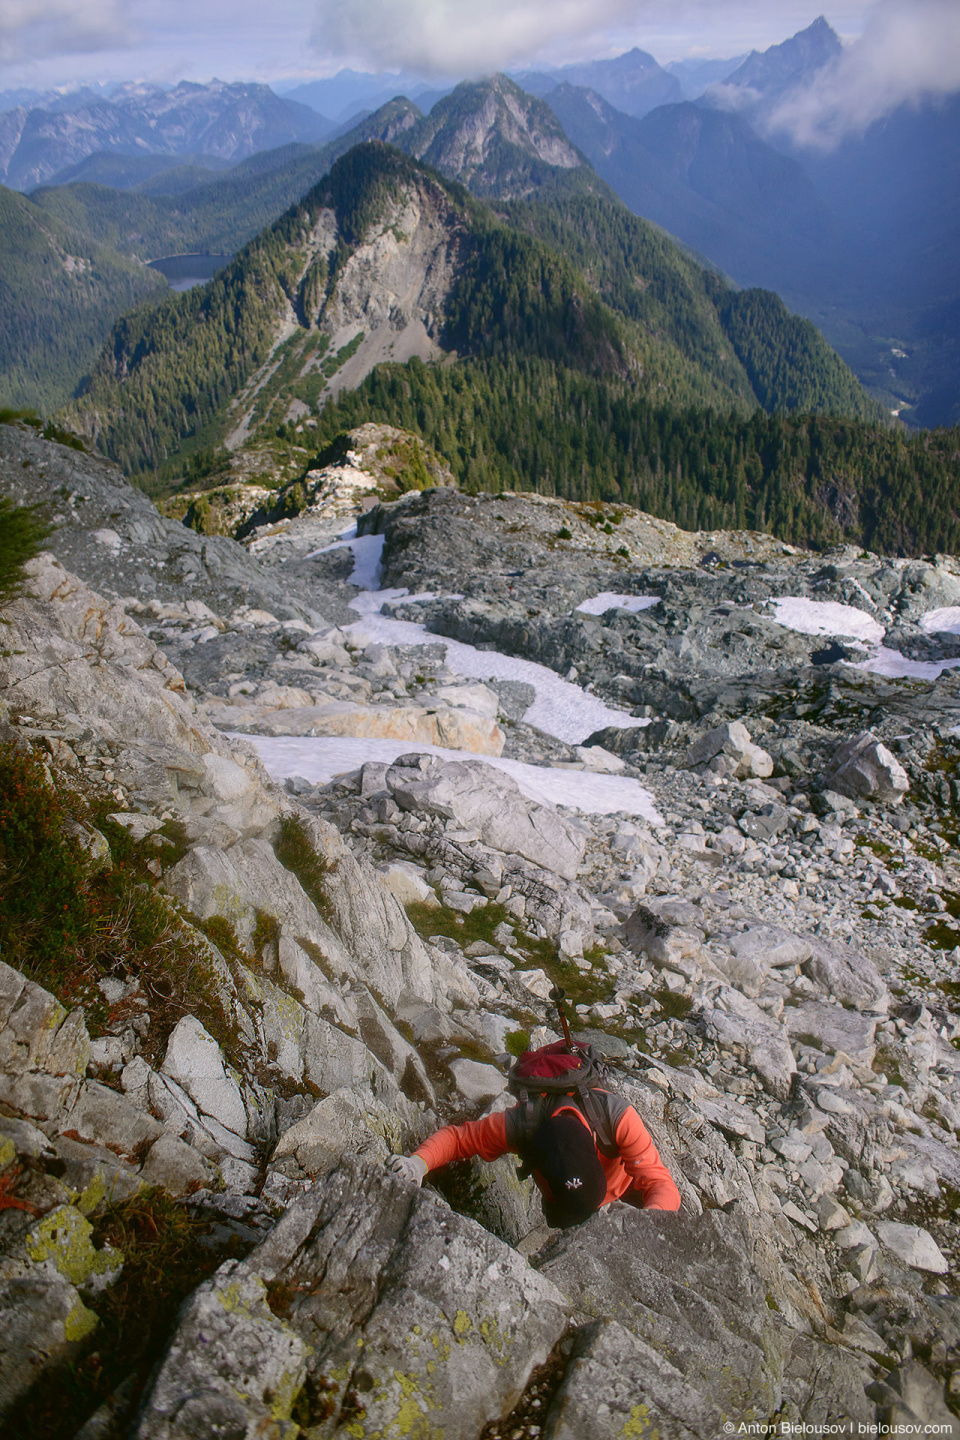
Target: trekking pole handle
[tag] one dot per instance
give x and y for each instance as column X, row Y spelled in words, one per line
column 558, row 995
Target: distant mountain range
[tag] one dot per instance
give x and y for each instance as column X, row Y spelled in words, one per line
column 863, row 240
column 227, row 122
column 633, row 83
column 768, row 74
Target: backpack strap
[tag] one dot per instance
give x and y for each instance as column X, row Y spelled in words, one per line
column 601, row 1109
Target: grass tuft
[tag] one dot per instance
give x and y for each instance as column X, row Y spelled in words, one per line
column 66, row 925
column 295, row 852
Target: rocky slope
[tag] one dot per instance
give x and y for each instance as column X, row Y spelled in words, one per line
column 752, row 916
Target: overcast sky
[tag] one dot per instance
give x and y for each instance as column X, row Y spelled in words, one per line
column 57, row 42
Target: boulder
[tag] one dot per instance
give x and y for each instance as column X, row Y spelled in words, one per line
column 863, row 768
column 842, row 971
column 760, row 1044
column 733, row 1119
column 910, row 1402
column 913, row 1246
column 599, row 760
column 832, row 1028
column 768, row 945
column 338, row 1126
column 765, row 822
column 195, row 1061
column 448, row 726
column 729, row 750
column 395, row 1316
column 617, row 1384
column 231, row 1369
column 106, row 1118
column 490, row 803
column 406, row 884
column 719, row 1318
column 667, row 932
column 476, row 1082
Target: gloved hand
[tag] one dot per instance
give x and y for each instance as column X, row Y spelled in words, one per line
column 411, row 1167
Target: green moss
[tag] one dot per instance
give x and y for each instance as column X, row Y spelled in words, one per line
column 811, row 1041
column 480, row 924
column 942, row 936
column 882, row 851
column 517, row 1041
column 672, row 1004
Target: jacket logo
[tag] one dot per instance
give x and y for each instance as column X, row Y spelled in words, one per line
column 574, row 1184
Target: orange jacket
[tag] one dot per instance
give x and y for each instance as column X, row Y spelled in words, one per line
column 638, row 1166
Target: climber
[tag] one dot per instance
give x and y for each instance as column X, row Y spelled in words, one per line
column 584, row 1145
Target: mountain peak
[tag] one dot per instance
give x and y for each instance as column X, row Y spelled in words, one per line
column 495, row 138
column 781, row 66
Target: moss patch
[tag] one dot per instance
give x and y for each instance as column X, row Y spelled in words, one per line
column 672, row 1004
column 517, row 1042
column 480, row 924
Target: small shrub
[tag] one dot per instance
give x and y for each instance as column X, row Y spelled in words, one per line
column 266, row 932
column 563, row 533
column 66, row 926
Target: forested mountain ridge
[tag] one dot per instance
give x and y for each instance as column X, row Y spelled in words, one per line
column 48, row 349
column 386, row 261
column 59, row 292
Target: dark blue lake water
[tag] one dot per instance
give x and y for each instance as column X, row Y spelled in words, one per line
column 185, row 271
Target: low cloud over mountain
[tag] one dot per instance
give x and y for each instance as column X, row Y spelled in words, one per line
column 909, row 51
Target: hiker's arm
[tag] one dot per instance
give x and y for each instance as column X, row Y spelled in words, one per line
column 642, row 1163
column 486, row 1138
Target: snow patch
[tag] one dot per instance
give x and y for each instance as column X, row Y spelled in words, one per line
column 600, row 604
column 895, row 666
column 561, row 708
column 826, row 617
column 941, row 622
column 320, row 759
column 367, row 559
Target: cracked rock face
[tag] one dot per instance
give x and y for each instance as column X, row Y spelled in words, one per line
column 766, row 963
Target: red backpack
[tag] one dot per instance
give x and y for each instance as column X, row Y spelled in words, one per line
column 555, row 1075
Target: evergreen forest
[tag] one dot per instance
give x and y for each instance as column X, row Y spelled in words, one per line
column 812, row 480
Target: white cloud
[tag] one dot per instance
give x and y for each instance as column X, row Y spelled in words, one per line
column 34, row 28
column 909, row 51
column 456, row 37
